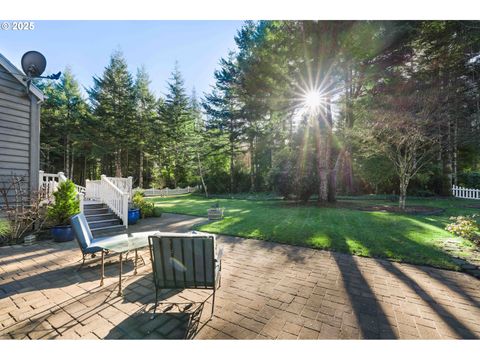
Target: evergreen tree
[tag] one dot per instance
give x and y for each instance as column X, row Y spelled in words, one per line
column 64, row 114
column 145, row 117
column 223, row 109
column 177, row 125
column 113, row 99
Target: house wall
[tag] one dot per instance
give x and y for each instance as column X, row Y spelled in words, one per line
column 19, row 131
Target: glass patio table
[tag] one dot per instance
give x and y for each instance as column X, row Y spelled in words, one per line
column 123, row 246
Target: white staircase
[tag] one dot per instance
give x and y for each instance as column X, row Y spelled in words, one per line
column 104, row 202
column 101, row 218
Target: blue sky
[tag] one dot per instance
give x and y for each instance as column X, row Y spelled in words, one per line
column 86, row 47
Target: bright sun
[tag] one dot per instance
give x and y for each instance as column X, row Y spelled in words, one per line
column 312, row 100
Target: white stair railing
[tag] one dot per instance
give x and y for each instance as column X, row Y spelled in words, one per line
column 464, row 193
column 124, row 184
column 114, row 198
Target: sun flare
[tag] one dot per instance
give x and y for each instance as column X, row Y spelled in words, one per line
column 312, row 100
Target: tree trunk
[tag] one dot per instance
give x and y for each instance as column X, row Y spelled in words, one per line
column 252, row 166
column 200, row 172
column 66, row 164
column 70, row 173
column 332, row 176
column 454, row 150
column 84, row 170
column 348, row 173
column 118, row 163
column 126, row 161
column 403, row 195
column 332, row 191
column 446, row 162
column 322, row 164
column 140, row 169
column 232, row 154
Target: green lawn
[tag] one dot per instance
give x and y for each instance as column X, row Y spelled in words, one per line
column 410, row 238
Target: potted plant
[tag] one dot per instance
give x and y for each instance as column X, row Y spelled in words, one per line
column 215, row 212
column 133, row 214
column 142, row 207
column 64, row 206
column 134, row 209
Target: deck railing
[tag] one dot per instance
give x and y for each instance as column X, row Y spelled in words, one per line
column 92, row 191
column 124, row 184
column 464, row 193
column 114, row 198
column 48, row 184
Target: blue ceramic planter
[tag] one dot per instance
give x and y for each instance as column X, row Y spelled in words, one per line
column 133, row 216
column 62, row 233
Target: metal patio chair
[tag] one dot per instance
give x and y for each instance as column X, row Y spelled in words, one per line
column 185, row 261
column 90, row 245
column 84, row 236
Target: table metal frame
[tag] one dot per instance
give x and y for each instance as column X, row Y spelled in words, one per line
column 104, row 251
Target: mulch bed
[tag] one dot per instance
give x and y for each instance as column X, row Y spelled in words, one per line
column 411, row 210
column 473, row 206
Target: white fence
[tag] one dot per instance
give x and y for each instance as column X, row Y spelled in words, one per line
column 167, row 191
column 464, row 193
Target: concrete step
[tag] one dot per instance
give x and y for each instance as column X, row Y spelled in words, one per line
column 108, row 230
column 104, row 223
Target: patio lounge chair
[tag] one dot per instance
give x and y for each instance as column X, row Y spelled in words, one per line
column 84, row 236
column 90, row 245
column 185, row 261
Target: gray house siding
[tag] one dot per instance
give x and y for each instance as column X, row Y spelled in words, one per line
column 19, row 130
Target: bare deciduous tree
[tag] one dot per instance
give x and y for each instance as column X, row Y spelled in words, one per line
column 401, row 129
column 25, row 211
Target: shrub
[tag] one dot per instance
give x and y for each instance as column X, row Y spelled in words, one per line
column 147, row 209
column 4, row 230
column 24, row 211
column 295, row 173
column 281, row 173
column 65, row 204
column 157, row 211
column 466, row 227
column 469, row 179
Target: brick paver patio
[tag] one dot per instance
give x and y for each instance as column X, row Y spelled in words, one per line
column 269, row 291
